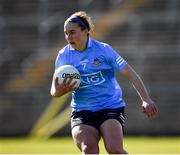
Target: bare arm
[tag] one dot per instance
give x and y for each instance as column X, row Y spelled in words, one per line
column 148, row 106
column 58, row 90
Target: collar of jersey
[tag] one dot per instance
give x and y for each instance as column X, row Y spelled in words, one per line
column 88, row 45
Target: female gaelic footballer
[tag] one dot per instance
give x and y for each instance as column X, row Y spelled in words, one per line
column 97, row 104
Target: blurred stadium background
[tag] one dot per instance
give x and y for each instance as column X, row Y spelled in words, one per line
column 145, row 32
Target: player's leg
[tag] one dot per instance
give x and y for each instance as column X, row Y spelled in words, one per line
column 86, row 138
column 85, row 132
column 112, row 134
column 112, row 122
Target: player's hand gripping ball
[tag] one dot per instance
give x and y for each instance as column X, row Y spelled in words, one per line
column 68, row 71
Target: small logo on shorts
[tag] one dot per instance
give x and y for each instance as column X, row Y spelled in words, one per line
column 111, row 113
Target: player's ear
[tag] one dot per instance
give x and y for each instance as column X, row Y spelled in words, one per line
column 86, row 31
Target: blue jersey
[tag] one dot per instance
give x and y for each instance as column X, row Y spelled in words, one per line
column 99, row 88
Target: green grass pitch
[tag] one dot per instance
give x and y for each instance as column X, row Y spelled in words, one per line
column 65, row 145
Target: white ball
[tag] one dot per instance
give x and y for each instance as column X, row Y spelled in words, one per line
column 68, row 71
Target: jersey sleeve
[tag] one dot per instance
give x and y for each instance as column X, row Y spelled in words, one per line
column 114, row 59
column 60, row 60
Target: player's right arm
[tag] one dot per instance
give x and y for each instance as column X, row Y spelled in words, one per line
column 58, row 90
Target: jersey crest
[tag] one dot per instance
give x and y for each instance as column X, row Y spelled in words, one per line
column 96, row 62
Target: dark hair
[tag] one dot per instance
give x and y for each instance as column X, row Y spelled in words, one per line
column 82, row 22
column 82, row 19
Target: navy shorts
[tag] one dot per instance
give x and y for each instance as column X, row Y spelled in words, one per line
column 96, row 118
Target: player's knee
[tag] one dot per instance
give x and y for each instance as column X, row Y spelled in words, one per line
column 90, row 148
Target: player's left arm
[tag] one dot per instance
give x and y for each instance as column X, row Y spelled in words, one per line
column 148, row 105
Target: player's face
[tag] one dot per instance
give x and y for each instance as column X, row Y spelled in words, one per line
column 75, row 36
